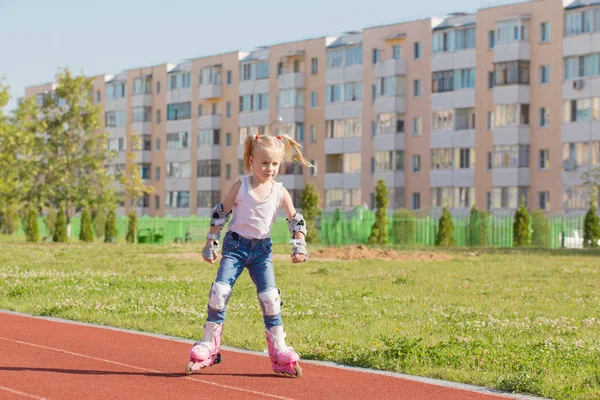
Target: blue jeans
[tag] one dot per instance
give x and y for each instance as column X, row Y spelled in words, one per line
column 256, row 255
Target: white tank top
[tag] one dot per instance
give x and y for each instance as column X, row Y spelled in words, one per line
column 253, row 217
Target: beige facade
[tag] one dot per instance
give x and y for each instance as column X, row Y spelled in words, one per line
column 469, row 109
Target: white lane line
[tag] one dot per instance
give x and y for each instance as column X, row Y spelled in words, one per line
column 9, row 390
column 145, row 369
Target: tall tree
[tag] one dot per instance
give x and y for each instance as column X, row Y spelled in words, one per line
column 309, row 203
column 75, row 153
column 19, row 148
column 134, row 185
column 379, row 230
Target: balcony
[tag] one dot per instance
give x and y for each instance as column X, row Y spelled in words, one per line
column 336, row 76
column 462, row 98
column 141, row 128
column 211, row 91
column 502, row 177
column 256, row 118
column 396, row 141
column 391, row 178
column 144, row 156
column 581, row 44
column 511, row 51
column 462, row 177
column 291, row 81
column 343, row 145
column 349, row 109
column 511, row 94
column 209, row 122
column 141, row 100
column 516, row 134
column 390, row 104
column 291, row 114
column 581, row 131
column 392, row 67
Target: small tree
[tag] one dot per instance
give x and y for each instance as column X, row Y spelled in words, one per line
column 521, row 234
column 131, row 227
column 32, row 233
column 86, row 234
column 110, row 229
column 540, row 237
column 309, row 203
column 445, row 234
column 591, row 227
column 478, row 225
column 60, row 227
column 99, row 221
column 50, row 221
column 379, row 234
column 10, row 219
column 403, row 226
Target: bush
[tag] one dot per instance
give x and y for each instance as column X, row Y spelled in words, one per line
column 110, row 229
column 540, row 237
column 86, row 234
column 591, row 227
column 521, row 234
column 131, row 227
column 379, row 234
column 9, row 219
column 60, row 227
column 309, row 203
column 99, row 221
column 32, row 233
column 50, row 221
column 445, row 234
column 478, row 227
column 403, row 226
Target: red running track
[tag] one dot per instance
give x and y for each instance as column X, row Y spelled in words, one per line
column 45, row 359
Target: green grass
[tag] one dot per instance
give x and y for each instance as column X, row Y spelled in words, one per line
column 524, row 321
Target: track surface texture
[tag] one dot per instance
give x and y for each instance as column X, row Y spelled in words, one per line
column 48, row 359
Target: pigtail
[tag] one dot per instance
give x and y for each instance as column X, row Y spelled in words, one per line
column 292, row 152
column 248, row 144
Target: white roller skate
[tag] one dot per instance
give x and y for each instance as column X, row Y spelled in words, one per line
column 206, row 352
column 283, row 358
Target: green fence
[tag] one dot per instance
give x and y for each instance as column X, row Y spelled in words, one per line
column 354, row 227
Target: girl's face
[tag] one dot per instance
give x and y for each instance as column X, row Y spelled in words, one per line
column 265, row 163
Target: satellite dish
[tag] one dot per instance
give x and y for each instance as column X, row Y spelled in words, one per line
column 569, row 164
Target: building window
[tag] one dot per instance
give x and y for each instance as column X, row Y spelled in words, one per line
column 490, row 120
column 229, row 77
column 178, row 140
column 545, row 32
column 416, row 201
column 396, row 52
column 544, row 117
column 157, row 144
column 227, row 171
column 314, row 66
column 582, row 110
column 416, row 162
column 511, row 156
column 313, row 170
column 156, row 202
column 177, row 199
column 228, row 139
column 376, row 56
column 544, row 74
column 313, row 134
column 491, row 40
column 417, row 88
column 489, row 161
column 544, row 159
column 158, row 87
column 179, row 111
column 180, row 81
column 511, row 73
column 157, row 173
column 416, row 126
column 466, row 158
column 544, row 200
column 491, row 79
column 442, row 81
column 313, row 99
column 417, row 50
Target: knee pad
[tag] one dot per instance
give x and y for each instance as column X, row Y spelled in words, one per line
column 270, row 301
column 219, row 296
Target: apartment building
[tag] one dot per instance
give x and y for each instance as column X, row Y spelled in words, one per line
column 481, row 108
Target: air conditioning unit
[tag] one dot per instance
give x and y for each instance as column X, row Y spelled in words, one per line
column 578, row 84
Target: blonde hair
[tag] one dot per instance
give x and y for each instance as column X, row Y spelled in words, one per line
column 285, row 143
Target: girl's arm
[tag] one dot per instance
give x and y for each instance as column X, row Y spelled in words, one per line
column 299, row 252
column 209, row 252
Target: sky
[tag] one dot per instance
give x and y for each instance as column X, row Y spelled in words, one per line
column 37, row 37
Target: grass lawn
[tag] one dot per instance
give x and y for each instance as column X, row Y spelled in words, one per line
column 524, row 321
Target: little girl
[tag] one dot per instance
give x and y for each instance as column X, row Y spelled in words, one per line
column 254, row 200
